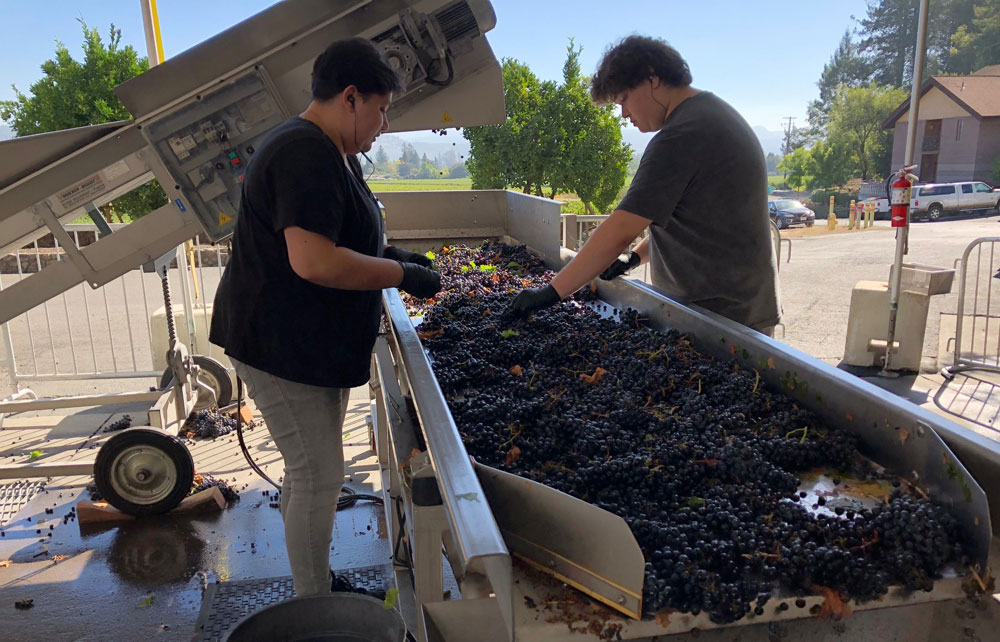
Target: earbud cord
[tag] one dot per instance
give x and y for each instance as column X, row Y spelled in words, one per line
column 665, row 110
column 355, row 112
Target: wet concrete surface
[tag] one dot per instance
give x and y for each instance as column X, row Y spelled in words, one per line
column 143, row 579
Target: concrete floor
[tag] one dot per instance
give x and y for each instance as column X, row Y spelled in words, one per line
column 101, row 589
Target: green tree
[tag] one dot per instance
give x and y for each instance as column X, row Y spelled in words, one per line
column 76, row 94
column 409, row 161
column 799, row 168
column 426, row 168
column 381, row 159
column 831, row 165
column 500, row 154
column 889, row 35
column 458, row 170
column 821, row 166
column 553, row 136
column 771, row 161
column 856, row 118
column 977, row 44
column 846, row 67
column 591, row 160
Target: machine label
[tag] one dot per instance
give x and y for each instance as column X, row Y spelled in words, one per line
column 82, row 192
column 180, row 204
column 114, row 170
column 223, row 218
column 446, row 118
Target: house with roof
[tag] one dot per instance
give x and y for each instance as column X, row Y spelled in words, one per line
column 958, row 128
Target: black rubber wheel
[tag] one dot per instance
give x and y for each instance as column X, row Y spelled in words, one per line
column 780, row 222
column 213, row 374
column 810, row 223
column 935, row 212
column 143, row 471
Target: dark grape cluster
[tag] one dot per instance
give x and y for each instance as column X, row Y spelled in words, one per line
column 208, row 424
column 491, row 268
column 119, row 424
column 699, row 457
column 203, row 481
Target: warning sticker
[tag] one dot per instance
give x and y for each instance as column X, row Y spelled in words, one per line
column 223, row 218
column 446, row 118
column 82, row 192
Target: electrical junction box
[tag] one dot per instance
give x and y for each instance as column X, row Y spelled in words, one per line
column 206, row 142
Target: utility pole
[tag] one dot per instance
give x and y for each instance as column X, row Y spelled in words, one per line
column 788, row 146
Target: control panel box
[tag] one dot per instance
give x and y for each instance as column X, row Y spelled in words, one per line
column 207, row 142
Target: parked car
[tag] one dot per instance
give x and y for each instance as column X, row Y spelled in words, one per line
column 932, row 201
column 881, row 207
column 785, row 212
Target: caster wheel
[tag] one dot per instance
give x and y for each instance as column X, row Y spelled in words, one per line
column 213, row 374
column 143, row 471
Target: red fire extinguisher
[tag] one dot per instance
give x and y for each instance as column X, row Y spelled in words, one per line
column 900, row 198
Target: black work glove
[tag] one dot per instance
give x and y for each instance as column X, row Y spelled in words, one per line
column 527, row 301
column 419, row 281
column 620, row 267
column 406, row 256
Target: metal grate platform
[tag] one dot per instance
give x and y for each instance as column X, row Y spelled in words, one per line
column 223, row 604
column 14, row 496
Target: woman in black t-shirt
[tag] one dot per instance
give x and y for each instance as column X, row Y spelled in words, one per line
column 298, row 307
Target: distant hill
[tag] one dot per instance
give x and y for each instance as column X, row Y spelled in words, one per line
column 424, row 142
column 770, row 140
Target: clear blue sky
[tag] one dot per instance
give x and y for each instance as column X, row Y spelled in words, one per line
column 762, row 57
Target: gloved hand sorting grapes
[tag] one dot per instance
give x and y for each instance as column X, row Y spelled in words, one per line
column 697, row 455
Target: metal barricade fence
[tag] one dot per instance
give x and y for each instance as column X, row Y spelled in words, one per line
column 977, row 316
column 102, row 333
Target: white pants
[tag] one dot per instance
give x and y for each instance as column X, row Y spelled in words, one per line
column 306, row 423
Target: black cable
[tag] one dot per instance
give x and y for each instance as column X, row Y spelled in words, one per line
column 665, row 109
column 348, row 496
column 239, row 433
column 401, row 518
column 370, row 163
column 446, row 81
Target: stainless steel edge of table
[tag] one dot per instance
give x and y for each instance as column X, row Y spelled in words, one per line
column 473, row 527
column 900, row 435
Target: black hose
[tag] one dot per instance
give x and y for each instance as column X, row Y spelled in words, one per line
column 239, row 434
column 348, row 497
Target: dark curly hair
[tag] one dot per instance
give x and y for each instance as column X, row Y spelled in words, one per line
column 358, row 62
column 633, row 61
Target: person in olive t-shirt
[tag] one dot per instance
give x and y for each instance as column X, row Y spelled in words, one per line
column 298, row 307
column 700, row 189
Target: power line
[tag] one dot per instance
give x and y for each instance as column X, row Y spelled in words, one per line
column 788, row 135
column 788, row 146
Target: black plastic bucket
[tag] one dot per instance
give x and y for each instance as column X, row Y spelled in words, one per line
column 337, row 617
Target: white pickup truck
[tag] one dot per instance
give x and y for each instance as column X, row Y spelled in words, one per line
column 932, row 201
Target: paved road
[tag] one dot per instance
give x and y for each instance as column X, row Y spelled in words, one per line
column 817, row 283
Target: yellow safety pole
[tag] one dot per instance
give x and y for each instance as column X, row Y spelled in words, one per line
column 850, row 215
column 859, row 218
column 870, row 218
column 831, row 220
column 154, row 47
